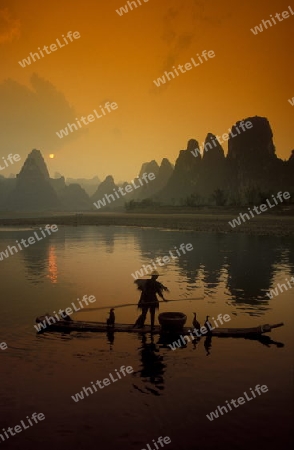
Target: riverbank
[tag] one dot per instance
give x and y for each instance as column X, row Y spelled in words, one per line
column 267, row 224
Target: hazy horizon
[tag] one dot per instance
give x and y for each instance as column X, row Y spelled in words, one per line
column 119, row 179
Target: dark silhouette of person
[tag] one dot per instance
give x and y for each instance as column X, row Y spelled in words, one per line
column 152, row 368
column 148, row 299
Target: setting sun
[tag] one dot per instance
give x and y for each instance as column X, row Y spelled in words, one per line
column 51, row 156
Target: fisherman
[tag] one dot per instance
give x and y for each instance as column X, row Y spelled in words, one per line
column 148, row 299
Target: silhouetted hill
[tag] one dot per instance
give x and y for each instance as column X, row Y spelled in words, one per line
column 249, row 174
column 107, row 188
column 185, row 177
column 165, row 172
column 149, row 167
column 72, row 197
column 162, row 175
column 75, row 198
column 33, row 191
column 89, row 185
column 7, row 185
column 255, row 171
column 213, row 172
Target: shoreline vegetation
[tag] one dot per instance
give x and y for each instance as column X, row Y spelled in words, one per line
column 280, row 223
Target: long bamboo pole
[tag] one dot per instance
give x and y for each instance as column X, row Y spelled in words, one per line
column 135, row 304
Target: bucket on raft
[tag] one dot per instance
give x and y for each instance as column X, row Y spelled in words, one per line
column 172, row 321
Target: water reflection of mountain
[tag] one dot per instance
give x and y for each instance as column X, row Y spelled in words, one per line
column 242, row 266
column 106, row 236
column 245, row 264
column 251, row 267
column 40, row 258
column 98, row 236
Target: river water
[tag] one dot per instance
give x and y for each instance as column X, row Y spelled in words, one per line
column 169, row 392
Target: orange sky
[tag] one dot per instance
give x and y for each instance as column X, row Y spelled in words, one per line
column 117, row 58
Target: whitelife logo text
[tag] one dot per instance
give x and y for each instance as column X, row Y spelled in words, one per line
column 128, row 188
column 214, row 414
column 125, row 10
column 53, row 47
column 243, row 125
column 264, row 23
column 263, row 208
column 105, row 382
column 184, row 68
column 19, row 428
column 10, row 159
column 165, row 260
column 11, row 250
column 61, row 315
column 91, row 117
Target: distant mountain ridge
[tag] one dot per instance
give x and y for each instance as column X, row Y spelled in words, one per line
column 250, row 172
column 89, row 185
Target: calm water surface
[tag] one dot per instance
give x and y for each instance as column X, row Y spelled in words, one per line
column 170, row 392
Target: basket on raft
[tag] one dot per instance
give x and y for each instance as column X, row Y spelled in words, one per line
column 172, row 321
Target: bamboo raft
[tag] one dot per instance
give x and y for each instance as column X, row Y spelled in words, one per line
column 74, row 325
